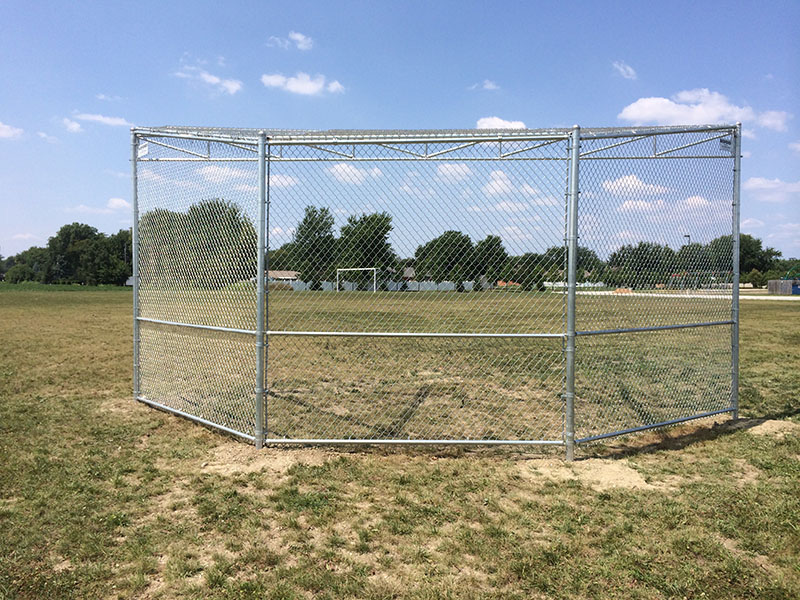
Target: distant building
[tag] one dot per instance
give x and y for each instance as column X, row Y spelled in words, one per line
column 283, row 275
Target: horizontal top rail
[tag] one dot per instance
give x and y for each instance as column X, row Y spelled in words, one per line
column 422, row 136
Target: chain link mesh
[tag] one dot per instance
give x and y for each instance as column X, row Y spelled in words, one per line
column 197, row 263
column 416, row 286
column 384, row 241
column 657, row 212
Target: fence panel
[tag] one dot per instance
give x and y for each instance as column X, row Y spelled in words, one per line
column 435, row 221
column 657, row 210
column 197, row 256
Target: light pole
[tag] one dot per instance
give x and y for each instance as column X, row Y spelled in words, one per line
column 688, row 237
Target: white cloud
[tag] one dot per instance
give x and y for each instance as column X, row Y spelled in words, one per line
column 72, row 126
column 118, row 204
column 347, row 173
column 113, row 205
column 499, row 183
column 280, row 180
column 498, row 123
column 640, row 206
column 514, row 233
column 794, row 146
column 278, row 42
column 486, row 84
column 8, row 132
column 539, row 197
column 193, row 73
column 624, row 69
column 277, row 180
column 771, row 190
column 696, row 107
column 303, row 42
column 219, row 173
column 107, row 98
column 696, row 202
column 509, row 206
column 631, row 185
column 24, row 236
column 302, row 83
column 752, row 223
column 453, row 171
column 112, row 121
column 51, row 139
column 774, row 119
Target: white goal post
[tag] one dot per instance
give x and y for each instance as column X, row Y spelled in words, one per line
column 374, row 276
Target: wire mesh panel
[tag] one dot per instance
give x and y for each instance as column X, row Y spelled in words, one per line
column 528, row 286
column 656, row 230
column 405, row 268
column 196, row 267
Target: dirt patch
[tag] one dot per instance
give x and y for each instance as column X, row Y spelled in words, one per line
column 598, row 473
column 233, row 457
column 761, row 560
column 775, row 428
column 747, row 473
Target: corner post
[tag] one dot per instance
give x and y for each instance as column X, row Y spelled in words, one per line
column 260, row 284
column 737, row 178
column 135, row 262
column 572, row 262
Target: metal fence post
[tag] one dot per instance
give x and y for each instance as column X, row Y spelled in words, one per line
column 572, row 260
column 135, row 262
column 737, row 177
column 260, row 283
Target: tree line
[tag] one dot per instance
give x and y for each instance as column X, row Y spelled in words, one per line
column 213, row 244
column 77, row 253
column 315, row 253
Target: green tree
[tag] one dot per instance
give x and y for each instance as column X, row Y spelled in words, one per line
column 364, row 243
column 283, row 258
column 643, row 265
column 751, row 254
column 489, row 258
column 220, row 244
column 437, row 258
column 19, row 273
column 64, row 252
column 34, row 260
column 314, row 246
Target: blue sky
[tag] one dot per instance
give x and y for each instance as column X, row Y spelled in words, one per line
column 75, row 76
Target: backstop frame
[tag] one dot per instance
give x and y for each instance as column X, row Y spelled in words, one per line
column 268, row 147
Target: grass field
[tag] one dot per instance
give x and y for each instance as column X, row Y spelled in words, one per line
column 103, row 497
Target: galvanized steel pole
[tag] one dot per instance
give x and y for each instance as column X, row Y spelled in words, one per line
column 260, row 283
column 135, row 262
column 737, row 177
column 572, row 261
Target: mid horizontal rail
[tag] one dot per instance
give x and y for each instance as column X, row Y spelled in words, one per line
column 653, row 426
column 411, row 334
column 196, row 326
column 654, row 328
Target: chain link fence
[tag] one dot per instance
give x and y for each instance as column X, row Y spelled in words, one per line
column 475, row 286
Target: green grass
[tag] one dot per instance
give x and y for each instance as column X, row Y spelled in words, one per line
column 102, row 497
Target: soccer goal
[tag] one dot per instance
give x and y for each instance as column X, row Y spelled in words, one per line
column 374, row 276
